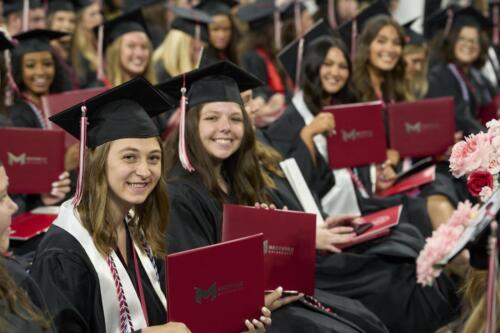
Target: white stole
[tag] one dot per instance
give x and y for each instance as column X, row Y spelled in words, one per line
column 341, row 198
column 69, row 220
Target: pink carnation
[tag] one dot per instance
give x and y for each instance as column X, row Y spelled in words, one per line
column 475, row 153
column 442, row 241
column 493, row 127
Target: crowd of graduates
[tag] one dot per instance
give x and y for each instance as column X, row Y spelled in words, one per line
column 203, row 100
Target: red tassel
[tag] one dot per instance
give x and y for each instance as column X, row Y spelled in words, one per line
column 183, row 156
column 100, row 52
column 354, row 36
column 449, row 22
column 331, row 14
column 492, row 279
column 495, row 25
column 26, row 15
column 300, row 54
column 83, row 145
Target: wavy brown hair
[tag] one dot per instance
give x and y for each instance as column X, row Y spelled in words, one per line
column 449, row 42
column 241, row 169
column 393, row 85
column 150, row 217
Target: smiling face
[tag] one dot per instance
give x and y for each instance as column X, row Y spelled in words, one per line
column 134, row 53
column 38, row 72
column 414, row 64
column 220, row 32
column 221, row 129
column 91, row 16
column 133, row 168
column 334, row 72
column 63, row 21
column 386, row 49
column 7, row 209
column 467, row 47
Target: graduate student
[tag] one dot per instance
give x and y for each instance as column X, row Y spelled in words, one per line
column 13, row 15
column 463, row 53
column 18, row 292
column 128, row 49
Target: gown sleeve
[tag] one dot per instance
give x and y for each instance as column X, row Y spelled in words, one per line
column 21, row 115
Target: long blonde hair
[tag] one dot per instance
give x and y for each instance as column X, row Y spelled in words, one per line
column 150, row 217
column 114, row 71
column 174, row 53
column 419, row 84
column 84, row 45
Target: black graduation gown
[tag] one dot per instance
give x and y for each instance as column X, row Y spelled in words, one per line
column 161, row 73
column 19, row 275
column 22, row 115
column 5, row 121
column 70, row 284
column 442, row 82
column 379, row 273
column 196, row 220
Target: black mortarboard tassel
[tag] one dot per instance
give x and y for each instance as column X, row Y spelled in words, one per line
column 121, row 112
column 220, row 82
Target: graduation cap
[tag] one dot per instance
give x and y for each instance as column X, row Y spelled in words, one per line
column 349, row 30
column 61, row 5
column 258, row 14
column 117, row 27
column 130, row 5
column 412, row 37
column 220, row 82
column 121, row 112
column 291, row 56
column 36, row 40
column 14, row 6
column 5, row 43
column 194, row 22
column 454, row 17
column 217, row 7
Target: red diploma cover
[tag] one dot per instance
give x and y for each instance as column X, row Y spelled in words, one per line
column 382, row 222
column 29, row 225
column 289, row 243
column 55, row 103
column 215, row 288
column 420, row 178
column 421, row 128
column 360, row 135
column 33, row 158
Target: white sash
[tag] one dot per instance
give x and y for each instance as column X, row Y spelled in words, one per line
column 341, row 198
column 69, row 220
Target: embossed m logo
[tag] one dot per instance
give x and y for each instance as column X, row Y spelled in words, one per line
column 13, row 159
column 201, row 294
column 413, row 128
column 349, row 135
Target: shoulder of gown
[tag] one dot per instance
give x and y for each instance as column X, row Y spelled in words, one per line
column 22, row 115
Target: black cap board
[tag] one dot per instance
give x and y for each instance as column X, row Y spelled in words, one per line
column 460, row 17
column 257, row 14
column 5, row 43
column 216, row 7
column 130, row 22
column 290, row 53
column 222, row 81
column 346, row 30
column 121, row 112
column 187, row 20
column 130, row 5
column 412, row 37
column 61, row 5
column 36, row 40
column 13, row 6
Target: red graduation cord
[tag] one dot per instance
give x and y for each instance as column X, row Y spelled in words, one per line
column 331, row 14
column 81, row 170
column 183, row 156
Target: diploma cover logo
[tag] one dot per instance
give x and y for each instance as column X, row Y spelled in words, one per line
column 354, row 135
column 24, row 159
column 419, row 127
column 212, row 292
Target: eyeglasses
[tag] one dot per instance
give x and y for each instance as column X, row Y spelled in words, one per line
column 472, row 41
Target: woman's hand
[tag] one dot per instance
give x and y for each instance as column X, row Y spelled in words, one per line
column 327, row 237
column 60, row 189
column 170, row 327
column 386, row 176
column 323, row 123
column 259, row 326
column 275, row 300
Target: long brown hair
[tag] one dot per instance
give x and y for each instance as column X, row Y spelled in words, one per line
column 17, row 302
column 84, row 47
column 150, row 217
column 393, row 85
column 241, row 169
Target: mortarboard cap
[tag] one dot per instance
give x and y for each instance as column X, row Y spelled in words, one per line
column 5, row 43
column 290, row 54
column 411, row 36
column 36, row 40
column 194, row 22
column 257, row 14
column 61, row 5
column 454, row 17
column 14, row 6
column 216, row 7
column 351, row 29
column 121, row 112
column 117, row 27
column 130, row 5
column 222, row 81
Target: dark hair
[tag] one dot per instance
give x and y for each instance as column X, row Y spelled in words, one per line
column 310, row 79
column 393, row 86
column 262, row 37
column 17, row 73
column 241, row 169
column 449, row 42
column 230, row 53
